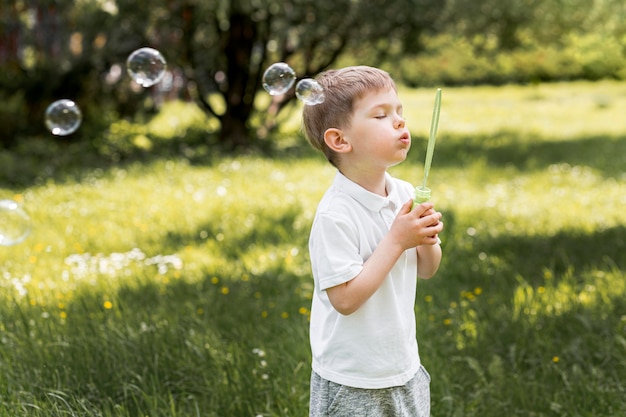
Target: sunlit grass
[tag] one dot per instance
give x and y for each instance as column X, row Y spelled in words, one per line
column 558, row 111
column 167, row 288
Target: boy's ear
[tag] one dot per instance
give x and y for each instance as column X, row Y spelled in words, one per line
column 335, row 140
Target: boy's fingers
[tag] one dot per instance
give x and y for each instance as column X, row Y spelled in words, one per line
column 423, row 207
column 433, row 219
column 406, row 207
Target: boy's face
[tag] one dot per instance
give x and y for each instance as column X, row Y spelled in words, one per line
column 378, row 133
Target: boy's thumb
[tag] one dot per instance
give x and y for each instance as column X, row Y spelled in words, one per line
column 406, row 207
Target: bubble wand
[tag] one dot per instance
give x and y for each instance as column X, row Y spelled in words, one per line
column 422, row 193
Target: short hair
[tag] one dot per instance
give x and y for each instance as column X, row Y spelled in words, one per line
column 342, row 87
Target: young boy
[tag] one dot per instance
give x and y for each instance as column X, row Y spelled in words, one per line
column 367, row 249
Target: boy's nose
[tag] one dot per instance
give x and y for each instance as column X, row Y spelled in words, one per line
column 400, row 122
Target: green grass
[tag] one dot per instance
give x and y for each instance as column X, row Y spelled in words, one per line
column 167, row 288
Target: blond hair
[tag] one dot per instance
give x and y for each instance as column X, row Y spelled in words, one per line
column 342, row 87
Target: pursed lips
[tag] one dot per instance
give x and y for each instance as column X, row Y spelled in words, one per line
column 405, row 138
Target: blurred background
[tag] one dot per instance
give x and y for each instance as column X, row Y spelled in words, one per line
column 217, row 51
column 154, row 261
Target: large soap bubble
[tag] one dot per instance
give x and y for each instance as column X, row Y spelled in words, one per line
column 63, row 117
column 278, row 78
column 310, row 91
column 15, row 224
column 146, row 66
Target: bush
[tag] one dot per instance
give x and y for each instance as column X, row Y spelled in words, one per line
column 459, row 61
column 12, row 119
column 178, row 128
column 599, row 56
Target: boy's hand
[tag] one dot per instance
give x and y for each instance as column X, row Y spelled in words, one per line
column 427, row 213
column 416, row 227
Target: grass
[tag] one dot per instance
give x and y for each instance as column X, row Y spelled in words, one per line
column 167, row 288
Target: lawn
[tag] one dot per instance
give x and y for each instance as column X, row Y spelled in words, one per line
column 172, row 288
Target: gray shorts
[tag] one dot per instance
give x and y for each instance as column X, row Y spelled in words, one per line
column 329, row 399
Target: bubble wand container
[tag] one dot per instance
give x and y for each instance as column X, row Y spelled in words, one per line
column 422, row 192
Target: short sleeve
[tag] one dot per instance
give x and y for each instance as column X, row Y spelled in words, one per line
column 334, row 251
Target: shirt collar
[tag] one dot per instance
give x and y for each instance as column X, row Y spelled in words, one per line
column 368, row 199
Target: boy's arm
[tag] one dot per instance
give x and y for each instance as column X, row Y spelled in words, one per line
column 428, row 260
column 407, row 231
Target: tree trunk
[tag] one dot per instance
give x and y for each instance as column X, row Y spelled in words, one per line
column 239, row 96
column 234, row 133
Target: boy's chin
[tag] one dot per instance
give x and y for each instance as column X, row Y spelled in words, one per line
column 402, row 158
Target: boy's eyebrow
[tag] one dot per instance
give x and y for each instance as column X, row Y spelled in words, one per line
column 386, row 105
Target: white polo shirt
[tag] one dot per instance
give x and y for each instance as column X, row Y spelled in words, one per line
column 376, row 346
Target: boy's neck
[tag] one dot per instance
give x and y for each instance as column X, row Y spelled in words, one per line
column 372, row 180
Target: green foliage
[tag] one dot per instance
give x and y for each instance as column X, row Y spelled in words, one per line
column 449, row 60
column 165, row 288
column 11, row 119
column 77, row 49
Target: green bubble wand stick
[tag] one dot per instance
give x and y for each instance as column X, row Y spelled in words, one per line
column 422, row 193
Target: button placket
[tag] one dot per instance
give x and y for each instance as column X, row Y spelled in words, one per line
column 388, row 213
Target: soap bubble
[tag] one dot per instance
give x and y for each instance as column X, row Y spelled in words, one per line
column 146, row 66
column 310, row 91
column 278, row 78
column 15, row 223
column 63, row 117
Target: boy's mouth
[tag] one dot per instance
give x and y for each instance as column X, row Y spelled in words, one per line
column 406, row 139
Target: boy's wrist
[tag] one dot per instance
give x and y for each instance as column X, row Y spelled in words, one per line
column 391, row 245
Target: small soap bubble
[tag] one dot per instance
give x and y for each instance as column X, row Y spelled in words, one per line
column 278, row 78
column 310, row 91
column 15, row 224
column 63, row 117
column 146, row 66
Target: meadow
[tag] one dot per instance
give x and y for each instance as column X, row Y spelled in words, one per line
column 169, row 287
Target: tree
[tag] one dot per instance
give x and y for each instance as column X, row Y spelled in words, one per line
column 50, row 49
column 228, row 45
column 509, row 22
column 222, row 47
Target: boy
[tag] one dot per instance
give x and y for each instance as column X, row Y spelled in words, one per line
column 367, row 249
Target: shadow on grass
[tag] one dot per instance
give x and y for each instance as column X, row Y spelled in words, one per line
column 235, row 346
column 527, row 152
column 538, row 364
column 560, row 252
column 266, row 227
column 478, row 260
column 38, row 160
column 227, row 346
column 544, row 336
